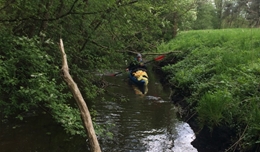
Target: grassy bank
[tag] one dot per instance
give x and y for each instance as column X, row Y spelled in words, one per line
column 219, row 74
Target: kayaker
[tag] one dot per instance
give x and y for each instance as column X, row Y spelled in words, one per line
column 137, row 64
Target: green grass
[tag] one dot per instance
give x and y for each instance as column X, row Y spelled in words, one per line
column 221, row 68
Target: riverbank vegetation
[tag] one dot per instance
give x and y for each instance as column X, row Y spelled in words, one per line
column 97, row 36
column 100, row 35
column 217, row 74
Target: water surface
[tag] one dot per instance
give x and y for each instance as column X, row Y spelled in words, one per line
column 142, row 123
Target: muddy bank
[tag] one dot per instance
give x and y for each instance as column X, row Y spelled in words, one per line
column 217, row 140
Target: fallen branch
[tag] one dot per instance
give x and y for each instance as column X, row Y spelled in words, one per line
column 237, row 142
column 162, row 53
column 85, row 115
column 148, row 53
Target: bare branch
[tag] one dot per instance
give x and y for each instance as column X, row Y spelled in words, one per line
column 85, row 115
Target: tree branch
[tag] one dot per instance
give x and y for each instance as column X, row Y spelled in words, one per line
column 85, row 115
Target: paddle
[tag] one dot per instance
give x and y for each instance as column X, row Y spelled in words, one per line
column 155, row 59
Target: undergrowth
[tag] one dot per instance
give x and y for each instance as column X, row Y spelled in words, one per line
column 221, row 69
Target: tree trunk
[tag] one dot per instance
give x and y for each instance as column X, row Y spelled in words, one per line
column 175, row 24
column 85, row 115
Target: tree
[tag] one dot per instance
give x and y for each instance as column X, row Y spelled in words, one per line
column 179, row 14
column 234, row 13
column 219, row 9
column 253, row 13
column 205, row 16
column 85, row 115
column 95, row 33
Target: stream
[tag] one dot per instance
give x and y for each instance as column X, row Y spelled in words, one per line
column 141, row 123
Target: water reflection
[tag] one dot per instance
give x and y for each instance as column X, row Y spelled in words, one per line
column 145, row 123
column 154, row 128
column 179, row 141
column 140, row 91
column 185, row 136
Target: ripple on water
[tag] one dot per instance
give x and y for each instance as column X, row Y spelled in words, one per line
column 155, row 99
column 185, row 136
column 179, row 142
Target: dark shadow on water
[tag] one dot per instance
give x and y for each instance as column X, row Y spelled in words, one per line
column 139, row 90
column 144, row 123
column 37, row 133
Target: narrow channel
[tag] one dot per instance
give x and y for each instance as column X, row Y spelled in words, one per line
column 144, row 123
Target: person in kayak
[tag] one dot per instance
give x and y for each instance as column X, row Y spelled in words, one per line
column 137, row 75
column 137, row 64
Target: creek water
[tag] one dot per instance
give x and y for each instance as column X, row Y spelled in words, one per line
column 142, row 123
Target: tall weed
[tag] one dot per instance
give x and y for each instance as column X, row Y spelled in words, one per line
column 221, row 68
column 212, row 107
